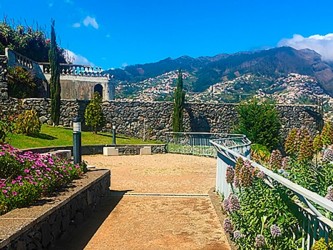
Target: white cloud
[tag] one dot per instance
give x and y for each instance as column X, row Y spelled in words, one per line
column 76, row 25
column 69, row 1
column 76, row 58
column 90, row 21
column 322, row 44
column 124, row 65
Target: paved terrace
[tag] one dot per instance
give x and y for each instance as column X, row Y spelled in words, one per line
column 156, row 202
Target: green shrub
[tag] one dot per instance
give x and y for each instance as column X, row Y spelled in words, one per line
column 259, row 121
column 21, row 83
column 28, row 123
column 9, row 166
column 6, row 126
column 94, row 114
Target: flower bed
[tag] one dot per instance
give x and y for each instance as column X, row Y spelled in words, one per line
column 264, row 214
column 25, row 177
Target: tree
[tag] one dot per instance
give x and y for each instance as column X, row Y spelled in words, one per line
column 179, row 99
column 259, row 121
column 55, row 77
column 94, row 114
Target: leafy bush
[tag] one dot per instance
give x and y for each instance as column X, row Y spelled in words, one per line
column 21, row 83
column 259, row 121
column 28, row 176
column 6, row 126
column 28, row 123
column 94, row 114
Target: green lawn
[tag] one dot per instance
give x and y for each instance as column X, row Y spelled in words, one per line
column 58, row 136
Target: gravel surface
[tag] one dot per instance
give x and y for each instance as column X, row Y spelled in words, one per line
column 156, row 202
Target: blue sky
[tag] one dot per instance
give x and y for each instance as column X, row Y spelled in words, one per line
column 114, row 33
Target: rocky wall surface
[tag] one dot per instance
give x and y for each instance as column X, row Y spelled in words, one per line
column 3, row 78
column 151, row 120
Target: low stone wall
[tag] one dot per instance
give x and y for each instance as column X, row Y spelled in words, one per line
column 150, row 120
column 98, row 149
column 39, row 226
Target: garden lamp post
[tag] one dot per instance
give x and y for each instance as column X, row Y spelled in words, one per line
column 77, row 140
column 114, row 134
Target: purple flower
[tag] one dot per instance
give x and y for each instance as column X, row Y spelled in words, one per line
column 234, row 204
column 230, row 174
column 237, row 235
column 225, row 205
column 261, row 175
column 227, row 226
column 275, row 231
column 285, row 162
column 236, row 182
column 5, row 191
column 260, row 241
column 14, row 193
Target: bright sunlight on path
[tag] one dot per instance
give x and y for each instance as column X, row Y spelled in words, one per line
column 156, row 202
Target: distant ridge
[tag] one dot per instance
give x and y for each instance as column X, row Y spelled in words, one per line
column 206, row 71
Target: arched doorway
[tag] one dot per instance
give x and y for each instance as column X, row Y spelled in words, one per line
column 99, row 89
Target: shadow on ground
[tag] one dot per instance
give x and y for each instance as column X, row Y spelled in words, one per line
column 79, row 237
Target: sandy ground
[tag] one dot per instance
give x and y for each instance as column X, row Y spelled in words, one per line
column 137, row 213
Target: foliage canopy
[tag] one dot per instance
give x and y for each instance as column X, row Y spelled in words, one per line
column 93, row 115
column 178, row 106
column 259, row 121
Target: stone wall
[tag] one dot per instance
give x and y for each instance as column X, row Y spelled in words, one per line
column 150, row 120
column 41, row 225
column 3, row 78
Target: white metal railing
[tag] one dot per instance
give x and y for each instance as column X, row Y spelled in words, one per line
column 198, row 143
column 314, row 224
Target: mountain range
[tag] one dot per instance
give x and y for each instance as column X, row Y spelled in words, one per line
column 263, row 71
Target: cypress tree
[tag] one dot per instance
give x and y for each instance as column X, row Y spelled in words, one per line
column 178, row 106
column 55, row 88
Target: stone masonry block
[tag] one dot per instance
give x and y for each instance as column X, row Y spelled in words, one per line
column 110, row 151
column 145, row 151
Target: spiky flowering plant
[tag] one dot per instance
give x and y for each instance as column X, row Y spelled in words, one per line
column 28, row 176
column 275, row 161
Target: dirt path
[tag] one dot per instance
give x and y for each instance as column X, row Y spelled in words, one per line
column 156, row 202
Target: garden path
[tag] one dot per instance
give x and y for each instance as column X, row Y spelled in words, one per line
column 156, row 202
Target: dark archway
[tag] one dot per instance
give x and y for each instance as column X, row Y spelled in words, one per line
column 99, row 89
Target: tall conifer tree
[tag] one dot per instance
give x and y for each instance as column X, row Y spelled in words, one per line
column 55, row 88
column 178, row 106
